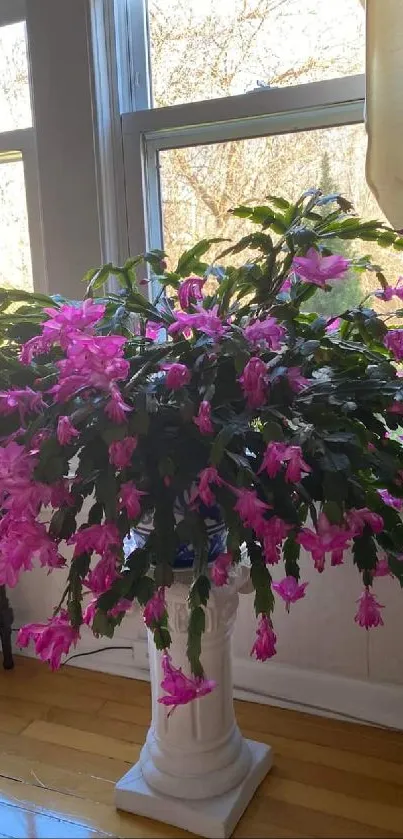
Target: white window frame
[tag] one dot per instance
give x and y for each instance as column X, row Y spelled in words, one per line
column 20, row 144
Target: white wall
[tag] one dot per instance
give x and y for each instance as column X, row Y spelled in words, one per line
column 325, row 662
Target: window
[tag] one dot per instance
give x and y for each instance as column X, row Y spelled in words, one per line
column 21, row 254
column 234, row 99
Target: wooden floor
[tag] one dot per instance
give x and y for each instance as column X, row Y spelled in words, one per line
column 66, row 738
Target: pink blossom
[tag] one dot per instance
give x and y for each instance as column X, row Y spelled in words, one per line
column 154, row 330
column 220, row 569
column 289, row 590
column 190, row 291
column 382, row 567
column 389, row 292
column 206, row 479
column 296, row 380
column 265, row 643
column 395, row 408
column 203, row 320
column 317, row 269
column 103, row 575
column 356, row 521
column 273, row 459
column 181, row 689
column 265, row 333
column 272, row 532
column 120, row 452
column 24, row 401
column 116, row 408
column 155, row 609
column 97, row 537
column 296, row 464
column 327, row 538
column 52, row 640
column 16, row 467
column 61, row 495
column 277, row 454
column 70, row 319
column 250, row 508
column 130, row 499
column 394, row 342
column 121, row 607
column 177, row 375
column 333, row 324
column 22, row 540
column 66, row 432
column 35, row 346
column 286, row 286
column 93, row 362
column 254, row 382
column 368, row 613
column 203, row 419
column 390, row 500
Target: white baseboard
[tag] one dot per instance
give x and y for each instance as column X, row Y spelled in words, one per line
column 269, row 683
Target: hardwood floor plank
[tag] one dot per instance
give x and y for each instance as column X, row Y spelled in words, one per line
column 63, row 735
column 66, row 738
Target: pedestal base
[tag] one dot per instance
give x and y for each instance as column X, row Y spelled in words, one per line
column 214, row 818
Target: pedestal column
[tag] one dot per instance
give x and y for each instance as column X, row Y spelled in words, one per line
column 196, row 770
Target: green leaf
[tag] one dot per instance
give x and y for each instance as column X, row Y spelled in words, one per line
column 199, row 591
column 272, row 431
column 197, row 625
column 221, row 441
column 333, row 512
column 186, row 263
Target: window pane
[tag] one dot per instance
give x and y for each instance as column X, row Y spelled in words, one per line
column 15, row 254
column 200, row 184
column 201, row 49
column 15, row 103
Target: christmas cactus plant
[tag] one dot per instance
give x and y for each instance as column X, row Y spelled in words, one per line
column 223, row 393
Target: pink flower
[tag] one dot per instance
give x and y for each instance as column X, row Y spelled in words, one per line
column 122, row 606
column 103, row 575
column 92, row 362
column 254, row 382
column 16, row 467
column 390, row 500
column 190, row 291
column 207, row 478
column 60, row 494
column 395, row 408
column 265, row 643
column 66, row 432
column 220, row 569
column 286, row 286
column 203, row 419
column 177, row 375
column 317, row 269
column 120, row 452
column 333, row 324
column 203, row 320
column 382, row 567
column 356, row 521
column 155, row 609
column 368, row 613
column 289, row 590
column 35, row 346
column 265, row 333
column 154, row 330
column 130, row 499
column 271, row 532
column 296, row 464
column 181, row 689
column 250, row 508
column 116, row 408
column 327, row 538
column 277, row 454
column 69, row 319
column 52, row 640
column 394, row 342
column 22, row 539
column 296, row 380
column 97, row 537
column 273, row 459
column 389, row 292
column 24, row 401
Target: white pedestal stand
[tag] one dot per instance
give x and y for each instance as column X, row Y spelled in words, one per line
column 195, row 770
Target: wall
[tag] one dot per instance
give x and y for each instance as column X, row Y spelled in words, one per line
column 325, row 662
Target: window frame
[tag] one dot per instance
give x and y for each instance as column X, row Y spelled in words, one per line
column 20, row 144
column 310, row 106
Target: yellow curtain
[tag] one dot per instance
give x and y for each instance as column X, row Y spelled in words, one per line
column 384, row 105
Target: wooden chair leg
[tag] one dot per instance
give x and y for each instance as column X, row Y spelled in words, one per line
column 6, row 622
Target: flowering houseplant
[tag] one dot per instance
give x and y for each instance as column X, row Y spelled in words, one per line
column 235, row 399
